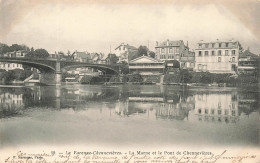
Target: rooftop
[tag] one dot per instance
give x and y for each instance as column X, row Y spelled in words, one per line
column 247, row 53
column 171, row 43
column 127, row 46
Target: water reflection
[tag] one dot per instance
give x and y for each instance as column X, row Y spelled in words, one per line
column 128, row 115
column 158, row 102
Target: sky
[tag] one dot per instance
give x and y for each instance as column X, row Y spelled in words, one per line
column 95, row 26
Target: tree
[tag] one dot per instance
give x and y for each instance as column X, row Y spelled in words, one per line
column 135, row 78
column 124, row 67
column 185, row 76
column 152, row 54
column 4, row 49
column 41, row 53
column 113, row 58
column 15, row 47
column 29, row 54
column 142, row 50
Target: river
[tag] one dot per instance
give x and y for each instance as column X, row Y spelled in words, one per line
column 129, row 115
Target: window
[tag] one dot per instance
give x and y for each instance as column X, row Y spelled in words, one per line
column 207, row 45
column 233, row 59
column 199, row 66
column 226, row 112
column 233, row 67
column 219, row 59
column 200, row 45
column 213, row 45
column 120, row 48
column 213, row 53
column 206, row 53
column 219, row 45
column 219, row 52
column 170, row 50
column 226, row 52
column 212, row 111
column 206, row 111
column 200, row 54
column 226, row 44
column 124, row 48
column 219, row 112
column 233, row 52
column 163, row 50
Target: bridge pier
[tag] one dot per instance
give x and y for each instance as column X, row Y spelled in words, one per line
column 50, row 78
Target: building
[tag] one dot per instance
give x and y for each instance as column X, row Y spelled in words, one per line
column 12, row 66
column 248, row 63
column 125, row 52
column 188, row 61
column 146, row 65
column 217, row 57
column 175, row 50
column 81, row 56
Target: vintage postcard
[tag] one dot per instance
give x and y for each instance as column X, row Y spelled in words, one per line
column 95, row 81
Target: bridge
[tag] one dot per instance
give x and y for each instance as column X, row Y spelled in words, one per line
column 50, row 69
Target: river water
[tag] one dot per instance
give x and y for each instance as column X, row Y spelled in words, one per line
column 129, row 115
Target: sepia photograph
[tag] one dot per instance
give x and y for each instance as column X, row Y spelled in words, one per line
column 95, row 81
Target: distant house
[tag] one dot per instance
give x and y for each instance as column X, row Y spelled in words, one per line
column 12, row 66
column 146, row 65
column 81, row 56
column 125, row 52
column 171, row 50
column 20, row 53
column 175, row 50
column 248, row 63
column 96, row 58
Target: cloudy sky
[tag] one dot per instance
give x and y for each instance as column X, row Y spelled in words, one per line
column 96, row 25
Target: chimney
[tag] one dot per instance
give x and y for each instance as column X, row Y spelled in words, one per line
column 167, row 42
column 156, row 43
column 201, row 41
column 187, row 43
column 217, row 40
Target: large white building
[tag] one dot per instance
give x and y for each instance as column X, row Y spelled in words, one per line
column 217, row 57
